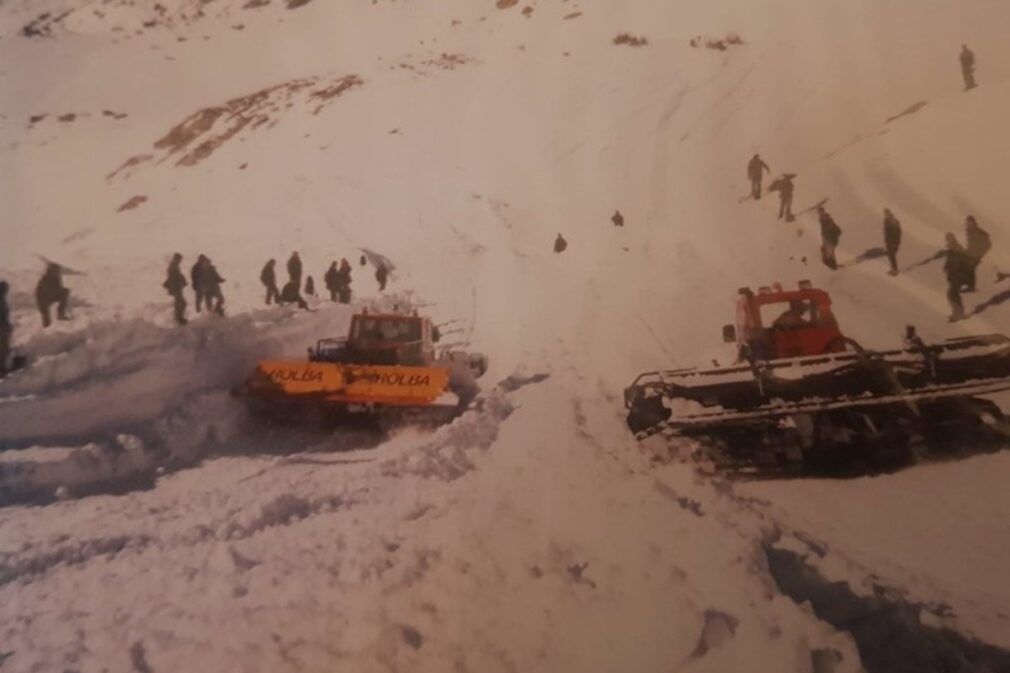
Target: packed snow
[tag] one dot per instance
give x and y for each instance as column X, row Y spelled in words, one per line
column 148, row 523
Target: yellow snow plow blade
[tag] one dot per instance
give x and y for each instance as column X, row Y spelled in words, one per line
column 351, row 384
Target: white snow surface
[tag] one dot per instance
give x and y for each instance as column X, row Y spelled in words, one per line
column 457, row 140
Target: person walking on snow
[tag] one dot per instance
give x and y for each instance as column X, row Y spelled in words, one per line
column 212, row 288
column 831, row 233
column 957, row 267
column 560, row 244
column 295, row 269
column 756, row 169
column 6, row 329
column 49, row 291
column 268, row 276
column 310, row 286
column 196, row 278
column 968, row 67
column 332, row 280
column 977, row 244
column 174, row 284
column 784, row 186
column 892, row 239
column 381, row 275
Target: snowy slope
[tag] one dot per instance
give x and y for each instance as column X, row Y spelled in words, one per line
column 532, row 534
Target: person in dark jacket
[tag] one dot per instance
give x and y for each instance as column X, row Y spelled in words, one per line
column 344, row 281
column 268, row 276
column 363, row 261
column 310, row 286
column 6, row 329
column 196, row 278
column 756, row 168
column 381, row 275
column 784, row 186
column 290, row 294
column 977, row 244
column 957, row 267
column 174, row 284
column 212, row 288
column 49, row 291
column 295, row 269
column 560, row 244
column 332, row 281
column 831, row 233
column 892, row 240
column 617, row 219
column 967, row 59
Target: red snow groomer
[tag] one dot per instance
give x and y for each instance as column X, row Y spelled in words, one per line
column 802, row 393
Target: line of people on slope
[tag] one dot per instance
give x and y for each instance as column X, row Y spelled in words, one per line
column 961, row 261
column 206, row 283
column 756, row 167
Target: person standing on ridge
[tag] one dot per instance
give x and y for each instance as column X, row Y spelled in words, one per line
column 756, row 169
column 344, row 281
column 831, row 233
column 268, row 276
column 892, row 239
column 310, row 286
column 560, row 244
column 295, row 269
column 332, row 280
column 174, row 284
column 617, row 219
column 212, row 288
column 6, row 329
column 196, row 278
column 784, row 186
column 381, row 275
column 977, row 244
column 49, row 291
column 968, row 67
column 957, row 267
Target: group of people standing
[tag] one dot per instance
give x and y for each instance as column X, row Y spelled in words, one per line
column 961, row 264
column 205, row 281
column 756, row 168
column 337, row 280
column 291, row 293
